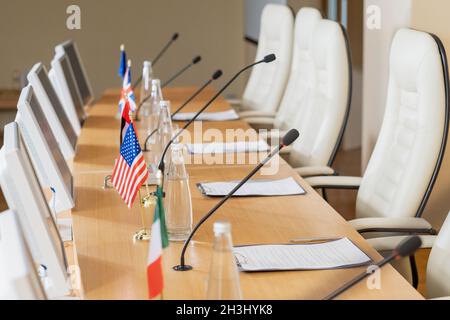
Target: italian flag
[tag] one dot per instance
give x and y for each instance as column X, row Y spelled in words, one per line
column 158, row 241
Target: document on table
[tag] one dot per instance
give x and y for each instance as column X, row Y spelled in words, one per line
column 253, row 188
column 207, row 116
column 227, row 147
column 337, row 254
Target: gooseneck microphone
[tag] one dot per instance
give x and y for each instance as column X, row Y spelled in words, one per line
column 288, row 139
column 406, row 248
column 267, row 59
column 214, row 77
column 158, row 56
column 164, row 49
column 194, row 61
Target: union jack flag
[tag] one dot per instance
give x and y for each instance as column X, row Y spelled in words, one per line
column 130, row 170
column 127, row 102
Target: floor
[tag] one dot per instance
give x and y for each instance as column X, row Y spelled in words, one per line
column 347, row 163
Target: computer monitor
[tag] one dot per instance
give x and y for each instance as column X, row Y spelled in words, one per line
column 19, row 279
column 24, row 196
column 48, row 161
column 53, row 110
column 63, row 81
column 70, row 48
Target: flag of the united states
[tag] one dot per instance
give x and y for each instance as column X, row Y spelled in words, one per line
column 130, row 171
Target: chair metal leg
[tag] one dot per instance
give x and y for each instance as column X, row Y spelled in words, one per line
column 415, row 273
column 324, row 195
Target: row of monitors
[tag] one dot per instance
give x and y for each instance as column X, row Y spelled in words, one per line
column 51, row 110
column 31, row 227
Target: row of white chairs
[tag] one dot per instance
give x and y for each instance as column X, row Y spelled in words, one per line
column 309, row 88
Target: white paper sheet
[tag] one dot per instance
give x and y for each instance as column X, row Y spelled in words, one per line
column 228, row 147
column 208, row 116
column 331, row 255
column 283, row 187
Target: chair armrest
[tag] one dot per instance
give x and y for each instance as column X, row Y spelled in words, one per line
column 334, row 182
column 260, row 120
column 257, row 114
column 261, row 123
column 286, row 150
column 272, row 135
column 235, row 102
column 390, row 243
column 307, row 172
column 397, row 225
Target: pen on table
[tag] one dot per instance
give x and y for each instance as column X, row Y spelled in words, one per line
column 313, row 240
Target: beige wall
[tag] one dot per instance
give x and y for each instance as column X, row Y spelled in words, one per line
column 30, row 29
column 298, row 4
column 434, row 16
column 394, row 14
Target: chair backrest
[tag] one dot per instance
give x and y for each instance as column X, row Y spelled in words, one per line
column 407, row 157
column 302, row 71
column 438, row 270
column 321, row 112
column 267, row 82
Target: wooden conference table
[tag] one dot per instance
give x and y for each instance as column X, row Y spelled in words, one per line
column 114, row 267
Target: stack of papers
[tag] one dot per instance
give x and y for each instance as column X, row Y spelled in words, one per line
column 253, row 188
column 337, row 254
column 207, row 116
column 228, row 147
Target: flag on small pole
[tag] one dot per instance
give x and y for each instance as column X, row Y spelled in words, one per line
column 127, row 102
column 159, row 240
column 130, row 171
column 123, row 62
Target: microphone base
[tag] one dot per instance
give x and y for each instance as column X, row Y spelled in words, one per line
column 183, row 268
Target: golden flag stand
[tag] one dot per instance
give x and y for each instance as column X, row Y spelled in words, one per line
column 144, row 233
column 144, row 203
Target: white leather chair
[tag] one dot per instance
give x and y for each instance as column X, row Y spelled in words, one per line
column 438, row 270
column 266, row 84
column 408, row 155
column 318, row 97
column 323, row 114
column 300, row 74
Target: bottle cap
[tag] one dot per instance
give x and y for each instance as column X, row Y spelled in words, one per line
column 156, row 82
column 221, row 227
column 147, row 64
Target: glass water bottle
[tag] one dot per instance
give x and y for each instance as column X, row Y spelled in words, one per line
column 152, row 141
column 165, row 123
column 155, row 98
column 223, row 281
column 146, row 90
column 178, row 201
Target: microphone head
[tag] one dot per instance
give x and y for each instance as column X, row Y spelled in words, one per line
column 290, row 137
column 408, row 246
column 217, row 74
column 269, row 58
column 197, row 59
column 175, row 36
